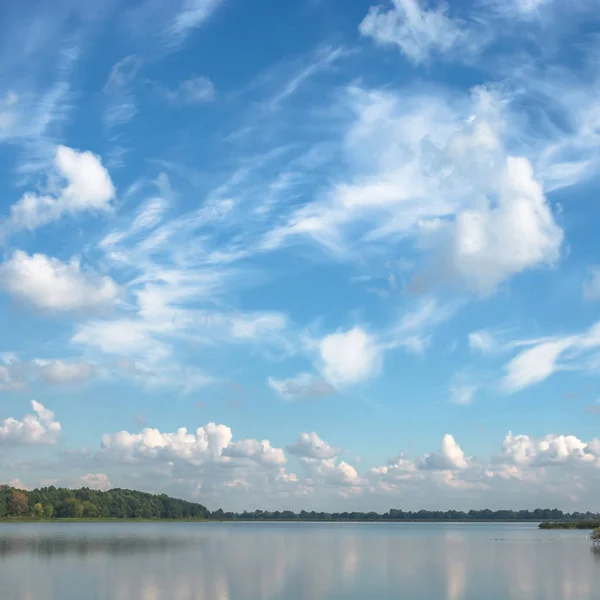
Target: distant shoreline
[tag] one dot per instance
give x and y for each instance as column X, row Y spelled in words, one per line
column 569, row 525
column 386, row 521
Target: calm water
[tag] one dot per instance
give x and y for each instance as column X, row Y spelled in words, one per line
column 252, row 561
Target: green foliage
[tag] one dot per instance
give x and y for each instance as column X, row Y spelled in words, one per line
column 595, row 535
column 570, row 525
column 538, row 514
column 52, row 502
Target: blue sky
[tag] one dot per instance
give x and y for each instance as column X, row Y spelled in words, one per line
column 319, row 254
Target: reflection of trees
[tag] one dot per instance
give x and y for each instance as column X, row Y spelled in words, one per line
column 57, row 546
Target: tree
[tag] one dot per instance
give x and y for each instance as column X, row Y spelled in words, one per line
column 38, row 510
column 18, row 503
column 48, row 511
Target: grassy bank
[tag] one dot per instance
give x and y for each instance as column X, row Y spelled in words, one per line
column 570, row 525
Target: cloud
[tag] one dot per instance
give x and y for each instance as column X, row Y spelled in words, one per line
column 261, row 452
column 204, row 443
column 430, row 167
column 349, row 357
column 46, row 283
column 304, row 385
column 419, row 32
column 15, row 374
column 123, row 73
column 87, row 187
column 482, row 341
column 193, row 91
column 121, row 103
column 534, row 364
column 35, row 429
column 462, row 391
column 58, row 372
column 310, row 445
column 191, row 15
column 11, row 378
column 450, row 457
column 591, row 285
column 488, row 245
column 522, row 450
column 95, row 481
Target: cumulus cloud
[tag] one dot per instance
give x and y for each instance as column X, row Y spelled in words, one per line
column 47, row 283
column 39, row 428
column 522, row 450
column 205, row 442
column 87, row 188
column 450, row 456
column 310, row 445
column 350, row 357
column 304, row 385
column 490, row 244
column 418, row 31
column 261, row 452
column 95, row 481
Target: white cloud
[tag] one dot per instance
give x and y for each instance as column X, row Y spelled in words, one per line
column 46, row 283
column 350, row 357
column 534, row 364
column 95, row 481
column 310, row 445
column 591, row 285
column 87, row 188
column 59, row 372
column 450, row 457
column 35, row 429
column 329, row 471
column 191, row 15
column 490, row 244
column 432, row 166
column 261, row 452
column 482, row 341
column 522, row 450
column 304, row 385
column 418, row 31
column 541, row 359
column 204, row 443
column 193, row 91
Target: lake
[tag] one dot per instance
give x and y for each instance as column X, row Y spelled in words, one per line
column 295, row 561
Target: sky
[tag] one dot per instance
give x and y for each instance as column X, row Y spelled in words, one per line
column 320, row 255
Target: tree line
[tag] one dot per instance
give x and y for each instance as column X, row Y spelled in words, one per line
column 61, row 503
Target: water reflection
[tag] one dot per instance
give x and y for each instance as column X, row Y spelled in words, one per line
column 294, row 562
